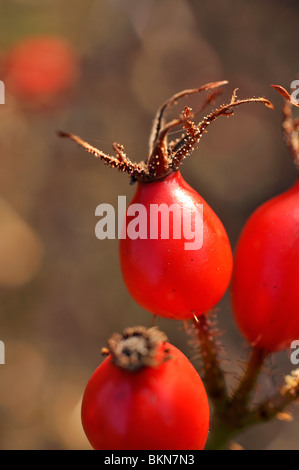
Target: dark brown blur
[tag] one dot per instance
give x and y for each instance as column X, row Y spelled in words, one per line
column 61, row 290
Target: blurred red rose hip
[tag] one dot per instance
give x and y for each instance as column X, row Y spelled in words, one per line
column 39, row 69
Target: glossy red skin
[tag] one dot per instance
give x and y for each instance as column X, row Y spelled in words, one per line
column 265, row 286
column 163, row 407
column 41, row 67
column 161, row 275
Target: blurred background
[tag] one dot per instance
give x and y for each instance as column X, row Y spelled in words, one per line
column 61, row 290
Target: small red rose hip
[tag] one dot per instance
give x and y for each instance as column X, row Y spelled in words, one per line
column 38, row 69
column 146, row 395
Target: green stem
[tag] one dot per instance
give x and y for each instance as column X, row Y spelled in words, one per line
column 221, row 433
column 232, row 419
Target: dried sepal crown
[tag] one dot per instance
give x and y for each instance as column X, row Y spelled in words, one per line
column 137, row 347
column 165, row 158
column 291, row 385
column 283, row 92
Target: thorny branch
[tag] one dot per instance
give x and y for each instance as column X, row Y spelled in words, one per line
column 233, row 411
column 203, row 332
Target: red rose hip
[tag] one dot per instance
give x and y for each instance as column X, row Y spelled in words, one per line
column 38, row 69
column 146, row 395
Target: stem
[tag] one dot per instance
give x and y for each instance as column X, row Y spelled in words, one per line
column 242, row 394
column 213, row 375
column 233, row 418
column 233, row 414
column 221, row 434
column 271, row 407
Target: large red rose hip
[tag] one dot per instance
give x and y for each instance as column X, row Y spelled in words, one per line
column 265, row 285
column 175, row 277
column 162, row 274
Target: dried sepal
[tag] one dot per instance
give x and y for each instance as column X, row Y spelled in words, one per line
column 291, row 385
column 275, row 406
column 187, row 143
column 120, row 152
column 165, row 159
column 211, row 98
column 208, row 101
column 120, row 161
column 188, row 124
column 284, row 416
column 158, row 163
column 159, row 123
column 105, row 351
column 283, row 92
column 290, row 131
column 290, row 126
column 137, row 347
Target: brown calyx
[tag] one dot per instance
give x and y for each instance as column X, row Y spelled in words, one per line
column 165, row 158
column 137, row 347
